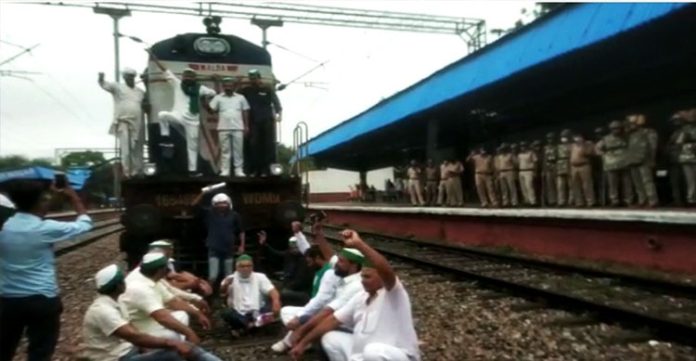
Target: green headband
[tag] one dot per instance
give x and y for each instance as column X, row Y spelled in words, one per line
column 109, row 286
column 351, row 255
column 244, row 257
column 155, row 264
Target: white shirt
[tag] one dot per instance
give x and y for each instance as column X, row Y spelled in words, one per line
column 387, row 319
column 302, row 243
column 103, row 317
column 231, row 109
column 326, row 292
column 143, row 297
column 181, row 100
column 347, row 287
column 244, row 294
column 6, row 202
column 127, row 103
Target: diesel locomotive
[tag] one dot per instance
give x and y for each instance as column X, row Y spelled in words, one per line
column 158, row 205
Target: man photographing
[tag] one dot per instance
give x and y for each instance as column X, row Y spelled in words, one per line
column 29, row 295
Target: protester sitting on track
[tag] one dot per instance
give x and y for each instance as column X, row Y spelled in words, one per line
column 297, row 274
column 380, row 317
column 244, row 290
column 28, row 288
column 164, row 247
column 108, row 335
column 152, row 308
column 182, row 280
column 347, row 268
column 323, row 288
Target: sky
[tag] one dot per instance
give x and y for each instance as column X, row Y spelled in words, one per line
column 63, row 107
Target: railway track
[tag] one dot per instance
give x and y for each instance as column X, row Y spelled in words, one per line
column 662, row 310
column 106, row 222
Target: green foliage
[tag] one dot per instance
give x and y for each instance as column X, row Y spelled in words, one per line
column 82, row 159
column 539, row 10
column 18, row 161
column 286, row 153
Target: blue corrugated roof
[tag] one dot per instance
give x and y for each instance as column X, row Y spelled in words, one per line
column 569, row 29
column 77, row 177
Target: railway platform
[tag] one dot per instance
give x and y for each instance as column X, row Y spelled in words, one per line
column 653, row 240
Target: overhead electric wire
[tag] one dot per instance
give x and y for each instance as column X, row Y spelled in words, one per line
column 294, row 52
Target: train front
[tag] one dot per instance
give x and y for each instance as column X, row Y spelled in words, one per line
column 158, row 205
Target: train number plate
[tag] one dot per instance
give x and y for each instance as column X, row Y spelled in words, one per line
column 261, row 198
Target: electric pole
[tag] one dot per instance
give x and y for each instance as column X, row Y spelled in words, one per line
column 116, row 15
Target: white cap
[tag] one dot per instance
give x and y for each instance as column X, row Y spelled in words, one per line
column 160, row 243
column 154, row 260
column 106, row 275
column 220, row 198
column 129, row 71
column 292, row 240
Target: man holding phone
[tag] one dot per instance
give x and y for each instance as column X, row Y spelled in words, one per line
column 29, row 295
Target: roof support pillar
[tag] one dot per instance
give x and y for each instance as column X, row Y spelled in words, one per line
column 363, row 178
column 431, row 138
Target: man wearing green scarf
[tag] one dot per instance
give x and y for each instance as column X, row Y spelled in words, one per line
column 188, row 94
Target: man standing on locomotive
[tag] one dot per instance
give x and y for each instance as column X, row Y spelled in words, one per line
column 233, row 126
column 188, row 94
column 265, row 110
column 127, row 124
column 224, row 229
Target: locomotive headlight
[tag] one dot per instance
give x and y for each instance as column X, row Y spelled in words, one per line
column 150, row 169
column 276, row 169
column 209, row 45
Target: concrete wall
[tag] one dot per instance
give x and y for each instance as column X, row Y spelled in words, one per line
column 331, row 185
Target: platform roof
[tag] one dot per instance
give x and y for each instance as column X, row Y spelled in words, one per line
column 576, row 54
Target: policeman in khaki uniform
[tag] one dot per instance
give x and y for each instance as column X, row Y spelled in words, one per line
column 673, row 150
column 563, row 169
column 642, row 144
column 442, row 194
column 581, row 180
column 505, row 168
column 549, row 170
column 527, row 160
column 613, row 148
column 455, row 195
column 687, row 155
column 414, row 184
column 483, row 177
column 431, row 177
column 598, row 176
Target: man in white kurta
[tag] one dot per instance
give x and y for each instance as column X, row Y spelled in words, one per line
column 152, row 308
column 380, row 317
column 185, row 111
column 233, row 126
column 246, row 292
column 127, row 124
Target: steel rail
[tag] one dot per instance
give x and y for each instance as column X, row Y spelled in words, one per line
column 661, row 327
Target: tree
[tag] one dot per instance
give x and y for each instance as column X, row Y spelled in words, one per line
column 285, row 154
column 540, row 9
column 18, row 161
column 83, row 159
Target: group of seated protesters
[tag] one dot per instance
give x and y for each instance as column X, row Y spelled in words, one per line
column 358, row 309
column 350, row 302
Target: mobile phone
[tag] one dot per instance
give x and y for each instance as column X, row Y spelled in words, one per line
column 60, row 180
